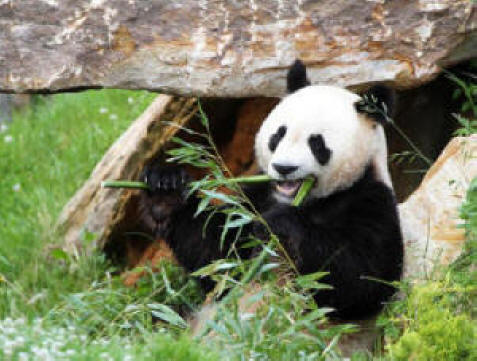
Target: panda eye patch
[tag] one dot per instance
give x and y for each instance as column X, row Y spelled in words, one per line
column 319, row 149
column 276, row 138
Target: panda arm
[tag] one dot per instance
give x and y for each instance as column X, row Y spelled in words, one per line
column 197, row 238
column 170, row 215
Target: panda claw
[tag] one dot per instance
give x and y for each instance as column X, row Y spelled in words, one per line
column 165, row 178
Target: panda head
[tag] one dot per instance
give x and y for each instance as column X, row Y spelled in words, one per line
column 323, row 131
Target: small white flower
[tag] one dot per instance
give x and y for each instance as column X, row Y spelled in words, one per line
column 113, row 117
column 130, row 100
column 247, row 316
column 19, row 340
column 8, row 139
column 3, row 128
column 7, row 349
column 16, row 187
column 103, row 110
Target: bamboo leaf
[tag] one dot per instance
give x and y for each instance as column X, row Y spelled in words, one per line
column 268, row 267
column 168, row 315
column 240, row 222
column 220, row 196
column 204, row 202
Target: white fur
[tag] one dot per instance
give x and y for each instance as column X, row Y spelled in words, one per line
column 354, row 140
column 380, row 159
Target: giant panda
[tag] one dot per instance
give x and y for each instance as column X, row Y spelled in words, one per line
column 348, row 225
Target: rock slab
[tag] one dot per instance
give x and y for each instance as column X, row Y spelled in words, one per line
column 228, row 48
column 430, row 216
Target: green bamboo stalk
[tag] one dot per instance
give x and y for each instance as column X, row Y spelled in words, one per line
column 124, row 184
column 249, row 179
column 305, row 188
column 301, row 195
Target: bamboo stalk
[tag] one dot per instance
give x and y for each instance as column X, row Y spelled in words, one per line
column 124, row 184
column 301, row 195
column 250, row 179
column 305, row 188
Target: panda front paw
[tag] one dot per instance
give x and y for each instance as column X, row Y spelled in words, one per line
column 165, row 197
column 166, row 179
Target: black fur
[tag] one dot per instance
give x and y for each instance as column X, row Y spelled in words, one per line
column 276, row 138
column 166, row 195
column 353, row 234
column 319, row 149
column 296, row 77
column 377, row 103
column 284, row 169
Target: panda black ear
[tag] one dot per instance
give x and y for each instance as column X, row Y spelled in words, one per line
column 296, row 77
column 377, row 103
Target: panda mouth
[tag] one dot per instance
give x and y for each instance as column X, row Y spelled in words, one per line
column 288, row 188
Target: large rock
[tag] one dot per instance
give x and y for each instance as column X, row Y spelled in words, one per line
column 430, row 216
column 228, row 48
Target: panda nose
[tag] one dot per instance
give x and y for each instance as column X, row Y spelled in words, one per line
column 284, row 169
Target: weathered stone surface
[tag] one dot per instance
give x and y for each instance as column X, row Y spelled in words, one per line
column 228, row 48
column 430, row 216
column 95, row 209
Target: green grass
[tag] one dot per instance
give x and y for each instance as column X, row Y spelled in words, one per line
column 46, row 154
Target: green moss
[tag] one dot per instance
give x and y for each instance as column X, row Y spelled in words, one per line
column 434, row 331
